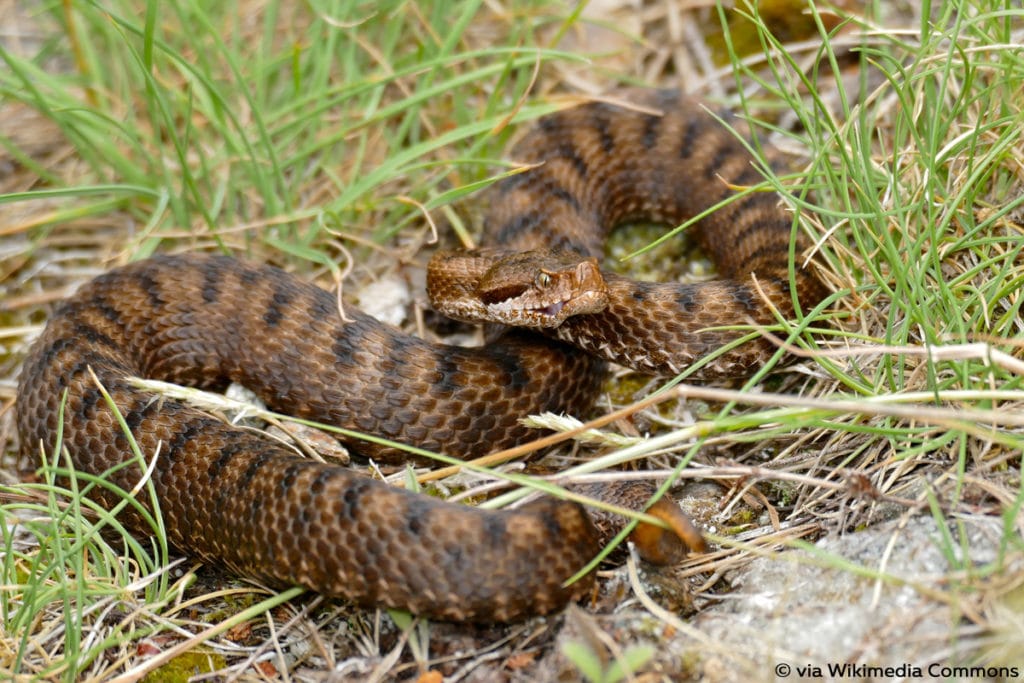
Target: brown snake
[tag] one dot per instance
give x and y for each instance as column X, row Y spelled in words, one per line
column 235, row 497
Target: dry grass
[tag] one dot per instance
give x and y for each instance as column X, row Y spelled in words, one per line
column 332, row 141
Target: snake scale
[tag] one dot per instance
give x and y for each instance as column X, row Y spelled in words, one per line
column 234, row 497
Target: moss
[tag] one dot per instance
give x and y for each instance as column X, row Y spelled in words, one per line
column 677, row 258
column 185, row 666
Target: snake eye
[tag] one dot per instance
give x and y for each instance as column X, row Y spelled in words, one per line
column 543, row 280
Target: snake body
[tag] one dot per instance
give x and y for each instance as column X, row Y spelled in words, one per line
column 246, row 502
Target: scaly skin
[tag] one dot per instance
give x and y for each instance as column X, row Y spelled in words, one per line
column 233, row 497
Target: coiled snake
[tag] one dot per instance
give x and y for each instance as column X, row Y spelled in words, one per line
column 232, row 496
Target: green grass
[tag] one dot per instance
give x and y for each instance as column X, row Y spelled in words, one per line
column 211, row 128
column 304, row 133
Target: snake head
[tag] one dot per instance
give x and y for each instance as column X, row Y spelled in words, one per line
column 542, row 289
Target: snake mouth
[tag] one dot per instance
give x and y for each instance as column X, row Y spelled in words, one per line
column 557, row 312
column 553, row 310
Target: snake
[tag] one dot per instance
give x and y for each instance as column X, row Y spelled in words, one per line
column 235, row 497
